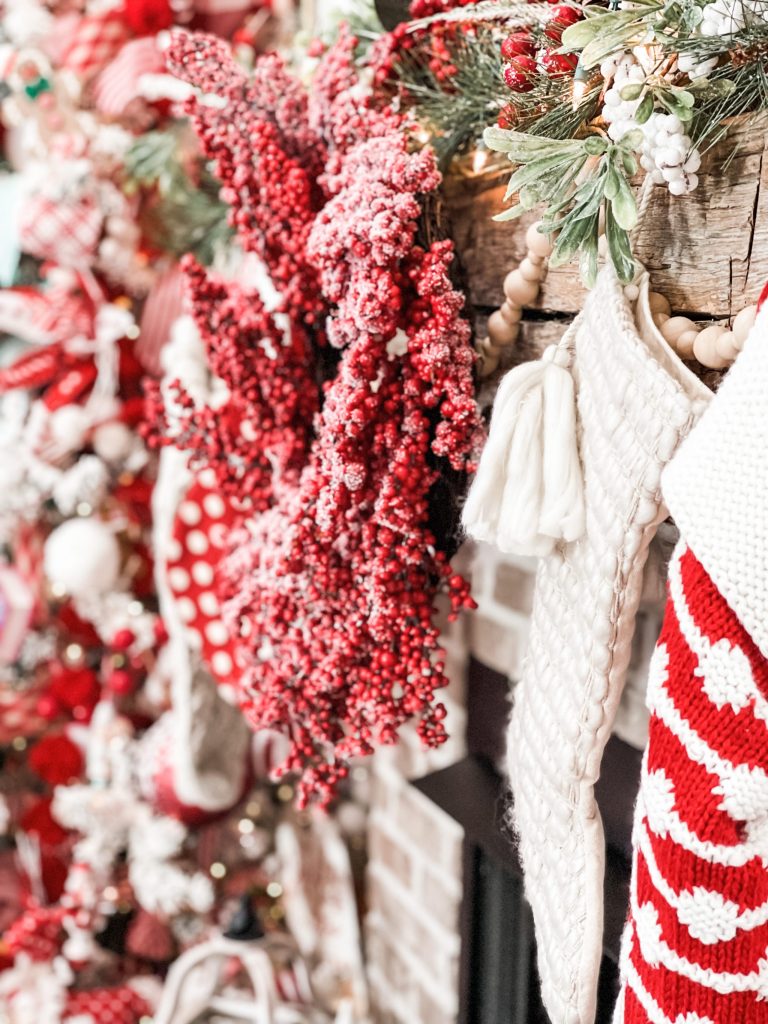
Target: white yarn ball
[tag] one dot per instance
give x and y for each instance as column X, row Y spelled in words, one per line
column 112, row 441
column 69, row 425
column 83, row 556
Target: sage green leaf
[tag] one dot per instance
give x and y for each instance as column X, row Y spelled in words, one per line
column 623, row 204
column 588, row 259
column 632, row 91
column 632, row 140
column 612, row 182
column 629, row 163
column 645, row 109
column 595, row 145
column 510, row 214
column 577, row 36
column 619, row 247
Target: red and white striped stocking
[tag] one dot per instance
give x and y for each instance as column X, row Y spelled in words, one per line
column 696, row 944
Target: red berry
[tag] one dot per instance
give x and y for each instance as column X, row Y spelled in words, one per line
column 519, row 73
column 120, row 682
column 562, row 16
column 123, row 639
column 557, row 65
column 507, row 116
column 516, row 44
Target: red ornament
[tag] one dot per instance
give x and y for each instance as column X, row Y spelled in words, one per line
column 562, row 16
column 519, row 74
column 558, row 65
column 48, row 707
column 56, row 759
column 147, row 17
column 517, row 44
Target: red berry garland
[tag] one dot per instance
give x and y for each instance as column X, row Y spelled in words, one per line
column 330, row 590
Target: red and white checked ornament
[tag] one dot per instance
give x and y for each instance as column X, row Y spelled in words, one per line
column 199, row 533
column 38, row 933
column 92, row 43
column 695, row 946
column 163, row 306
column 120, row 1005
column 64, row 230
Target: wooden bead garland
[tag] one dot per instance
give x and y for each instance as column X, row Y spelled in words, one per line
column 521, row 288
column 714, row 347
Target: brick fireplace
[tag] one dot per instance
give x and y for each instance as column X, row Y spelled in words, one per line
column 448, row 934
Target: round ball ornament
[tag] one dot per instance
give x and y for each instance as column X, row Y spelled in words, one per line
column 83, row 557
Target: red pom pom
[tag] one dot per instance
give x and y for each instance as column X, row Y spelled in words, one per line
column 519, row 73
column 56, row 759
column 517, row 44
column 74, row 687
column 557, row 65
column 147, row 17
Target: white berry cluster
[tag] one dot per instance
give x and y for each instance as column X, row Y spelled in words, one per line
column 721, row 19
column 666, row 151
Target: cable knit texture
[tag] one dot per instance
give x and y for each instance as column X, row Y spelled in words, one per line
column 635, row 402
column 694, row 949
column 695, row 945
column 717, row 487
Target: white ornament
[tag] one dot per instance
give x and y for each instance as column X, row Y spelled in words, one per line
column 112, row 441
column 83, row 557
column 69, row 425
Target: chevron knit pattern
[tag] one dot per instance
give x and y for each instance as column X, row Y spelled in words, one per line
column 696, row 944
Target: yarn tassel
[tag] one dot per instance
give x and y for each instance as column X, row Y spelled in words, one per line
column 528, row 491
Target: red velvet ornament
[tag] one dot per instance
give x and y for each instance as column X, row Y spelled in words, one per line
column 74, row 687
column 147, row 17
column 520, row 73
column 56, row 759
column 150, row 938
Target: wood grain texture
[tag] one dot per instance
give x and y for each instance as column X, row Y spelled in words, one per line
column 706, row 252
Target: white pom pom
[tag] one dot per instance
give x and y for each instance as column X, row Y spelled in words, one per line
column 112, row 441
column 69, row 425
column 83, row 557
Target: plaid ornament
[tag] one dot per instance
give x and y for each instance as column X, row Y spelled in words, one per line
column 63, row 230
column 93, row 42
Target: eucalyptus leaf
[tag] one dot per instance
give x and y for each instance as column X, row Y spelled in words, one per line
column 512, row 213
column 632, row 140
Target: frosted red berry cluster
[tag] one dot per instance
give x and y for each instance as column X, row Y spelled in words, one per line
column 334, row 569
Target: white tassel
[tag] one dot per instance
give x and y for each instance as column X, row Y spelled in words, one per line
column 528, row 492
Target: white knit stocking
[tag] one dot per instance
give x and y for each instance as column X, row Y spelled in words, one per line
column 635, row 403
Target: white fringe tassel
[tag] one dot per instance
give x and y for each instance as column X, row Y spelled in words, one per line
column 528, row 493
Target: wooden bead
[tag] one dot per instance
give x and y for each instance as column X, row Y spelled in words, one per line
column 531, row 271
column 705, row 347
column 512, row 314
column 743, row 323
column 658, row 304
column 519, row 291
column 489, row 358
column 539, row 244
column 727, row 347
column 675, row 326
column 500, row 331
column 535, row 258
column 684, row 344
column 661, row 318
